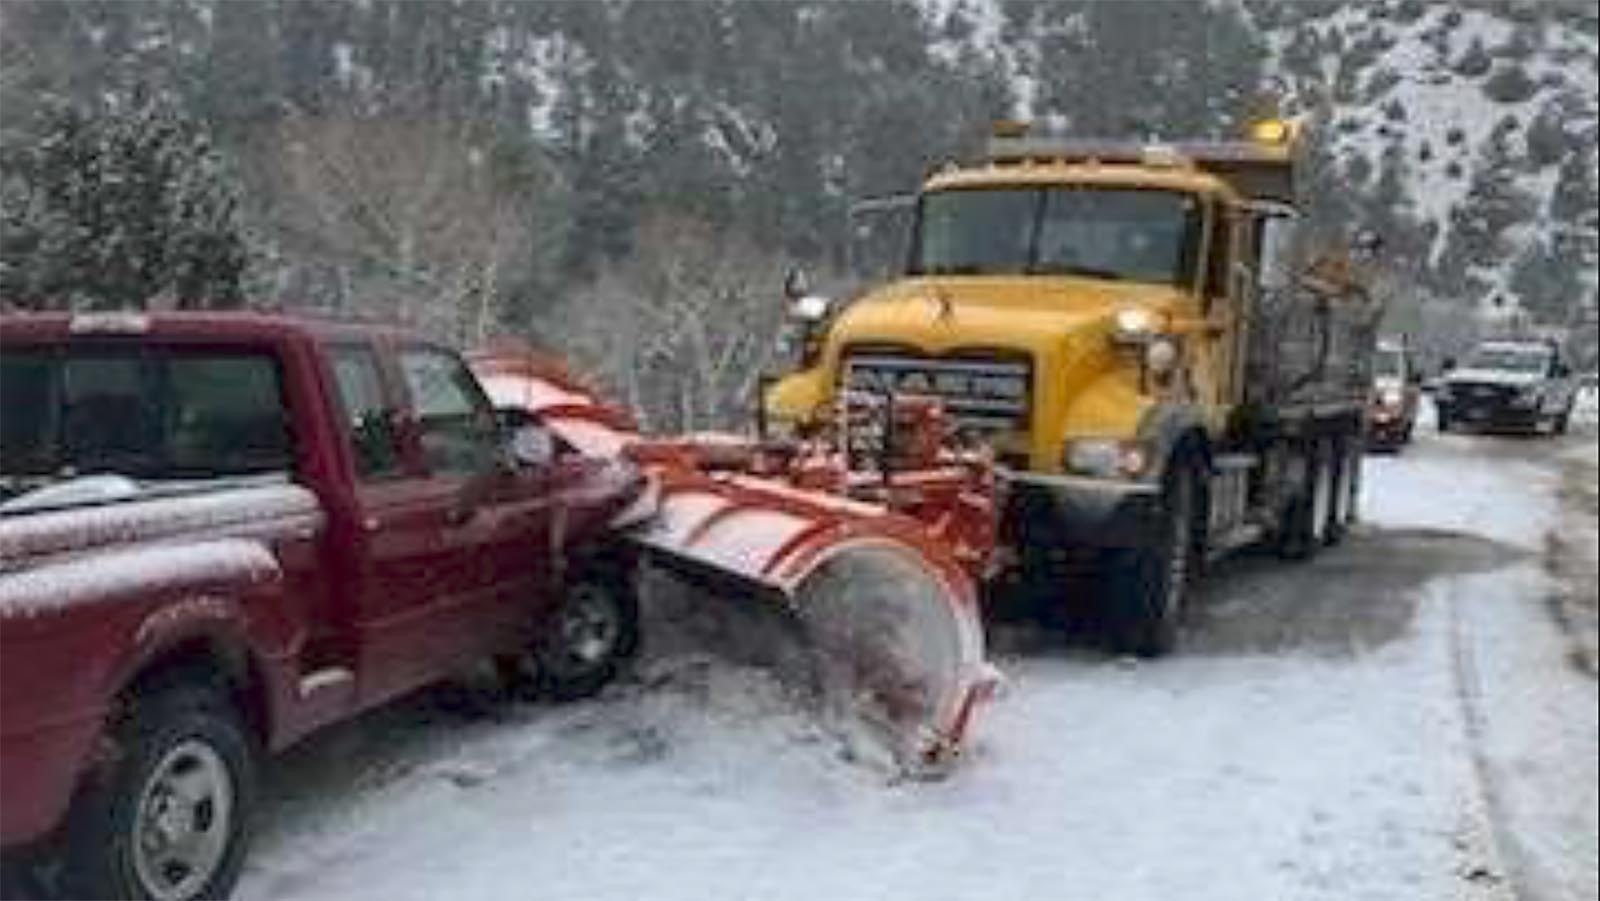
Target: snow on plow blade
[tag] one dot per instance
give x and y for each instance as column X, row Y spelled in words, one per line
column 885, row 602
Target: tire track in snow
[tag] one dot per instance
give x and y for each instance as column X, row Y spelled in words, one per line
column 1488, row 813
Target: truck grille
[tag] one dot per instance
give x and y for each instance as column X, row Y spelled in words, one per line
column 983, row 395
column 1482, row 396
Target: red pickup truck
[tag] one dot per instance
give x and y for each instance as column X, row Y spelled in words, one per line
column 219, row 533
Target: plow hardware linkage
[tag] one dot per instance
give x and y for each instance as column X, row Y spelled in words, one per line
column 871, row 540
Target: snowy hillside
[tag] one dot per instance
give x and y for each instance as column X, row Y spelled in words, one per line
column 1454, row 98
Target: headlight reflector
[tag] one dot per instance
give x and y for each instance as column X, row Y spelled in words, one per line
column 1134, row 325
column 1105, row 458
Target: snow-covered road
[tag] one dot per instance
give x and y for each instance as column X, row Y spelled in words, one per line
column 1402, row 718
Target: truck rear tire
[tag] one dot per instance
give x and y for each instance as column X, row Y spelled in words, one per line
column 168, row 818
column 1150, row 586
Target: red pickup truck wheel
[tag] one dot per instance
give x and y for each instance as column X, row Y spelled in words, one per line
column 588, row 639
column 168, row 817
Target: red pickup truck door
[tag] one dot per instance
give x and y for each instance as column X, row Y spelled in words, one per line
column 496, row 518
column 410, row 544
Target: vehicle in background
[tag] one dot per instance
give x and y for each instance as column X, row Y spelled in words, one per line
column 1430, row 384
column 1509, row 384
column 1396, row 395
column 1142, row 335
column 219, row 533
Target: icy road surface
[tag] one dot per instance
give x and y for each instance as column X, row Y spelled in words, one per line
column 1407, row 717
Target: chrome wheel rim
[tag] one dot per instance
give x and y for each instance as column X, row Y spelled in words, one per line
column 183, row 821
column 588, row 629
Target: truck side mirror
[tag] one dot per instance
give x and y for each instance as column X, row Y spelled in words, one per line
column 1448, row 364
column 531, row 445
column 1560, row 370
column 795, row 285
column 1366, row 244
column 526, row 441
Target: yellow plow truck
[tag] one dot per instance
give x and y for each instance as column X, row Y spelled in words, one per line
column 1164, row 366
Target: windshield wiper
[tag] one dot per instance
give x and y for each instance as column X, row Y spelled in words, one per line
column 952, row 269
column 1071, row 269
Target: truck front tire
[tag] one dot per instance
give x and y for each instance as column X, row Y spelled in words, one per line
column 167, row 817
column 593, row 633
column 1150, row 586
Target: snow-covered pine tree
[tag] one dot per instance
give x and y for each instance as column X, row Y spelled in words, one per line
column 117, row 207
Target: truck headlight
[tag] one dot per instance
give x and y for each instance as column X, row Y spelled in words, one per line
column 1530, row 396
column 1105, row 458
column 1134, row 325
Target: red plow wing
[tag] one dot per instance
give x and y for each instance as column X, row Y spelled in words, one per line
column 877, row 570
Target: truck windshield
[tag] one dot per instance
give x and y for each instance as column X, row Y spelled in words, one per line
column 1510, row 358
column 1388, row 363
column 140, row 413
column 1110, row 233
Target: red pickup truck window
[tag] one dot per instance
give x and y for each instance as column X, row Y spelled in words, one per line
column 369, row 424
column 143, row 413
column 455, row 420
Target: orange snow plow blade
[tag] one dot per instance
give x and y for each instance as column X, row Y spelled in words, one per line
column 877, row 570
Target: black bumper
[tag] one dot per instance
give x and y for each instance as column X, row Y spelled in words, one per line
column 1079, row 512
column 1491, row 415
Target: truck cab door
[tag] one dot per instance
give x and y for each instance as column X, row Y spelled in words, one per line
column 1230, row 289
column 410, row 536
column 498, row 513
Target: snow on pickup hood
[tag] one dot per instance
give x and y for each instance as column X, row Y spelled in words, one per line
column 1493, row 377
column 28, row 539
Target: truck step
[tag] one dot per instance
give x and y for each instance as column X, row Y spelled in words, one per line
column 1234, row 539
column 1223, row 463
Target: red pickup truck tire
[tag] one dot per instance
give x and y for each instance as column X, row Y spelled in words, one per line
column 590, row 638
column 595, row 633
column 168, row 815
